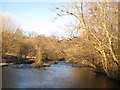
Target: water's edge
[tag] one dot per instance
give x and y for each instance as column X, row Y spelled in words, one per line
column 61, row 75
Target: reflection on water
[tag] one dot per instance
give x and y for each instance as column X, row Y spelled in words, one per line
column 57, row 76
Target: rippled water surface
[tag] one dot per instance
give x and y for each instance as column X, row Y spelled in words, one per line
column 59, row 75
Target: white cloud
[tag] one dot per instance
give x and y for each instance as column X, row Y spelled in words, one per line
column 46, row 27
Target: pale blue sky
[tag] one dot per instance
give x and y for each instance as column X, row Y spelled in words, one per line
column 35, row 16
column 28, row 11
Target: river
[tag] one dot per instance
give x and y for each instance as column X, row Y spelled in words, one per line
column 61, row 75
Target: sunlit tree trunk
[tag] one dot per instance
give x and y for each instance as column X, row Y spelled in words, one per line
column 38, row 59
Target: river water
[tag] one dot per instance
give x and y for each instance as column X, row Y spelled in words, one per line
column 61, row 75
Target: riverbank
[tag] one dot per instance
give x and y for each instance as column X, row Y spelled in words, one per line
column 12, row 60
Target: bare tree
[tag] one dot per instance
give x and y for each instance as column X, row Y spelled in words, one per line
column 98, row 21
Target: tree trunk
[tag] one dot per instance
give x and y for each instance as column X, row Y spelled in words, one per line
column 38, row 60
